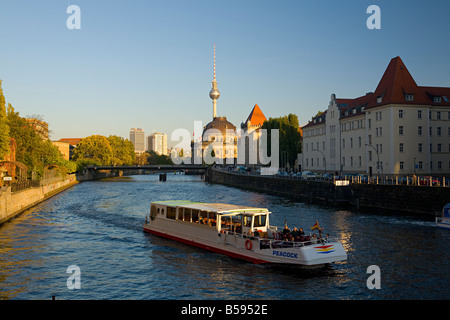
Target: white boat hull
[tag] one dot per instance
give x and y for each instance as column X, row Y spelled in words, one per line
column 252, row 249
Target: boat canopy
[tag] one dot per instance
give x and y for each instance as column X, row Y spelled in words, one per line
column 220, row 208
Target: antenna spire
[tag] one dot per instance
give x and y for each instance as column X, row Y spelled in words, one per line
column 214, row 62
column 214, row 94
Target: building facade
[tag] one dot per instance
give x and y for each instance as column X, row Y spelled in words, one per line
column 400, row 129
column 137, row 137
column 157, row 142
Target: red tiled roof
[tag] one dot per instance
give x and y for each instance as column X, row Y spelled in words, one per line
column 256, row 117
column 393, row 87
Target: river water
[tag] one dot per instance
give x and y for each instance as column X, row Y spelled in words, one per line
column 97, row 226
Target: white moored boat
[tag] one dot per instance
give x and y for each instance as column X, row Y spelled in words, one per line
column 444, row 220
column 238, row 231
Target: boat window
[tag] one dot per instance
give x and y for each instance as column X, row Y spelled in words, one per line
column 171, row 212
column 212, row 219
column 260, row 221
column 203, row 217
column 180, row 213
column 237, row 223
column 225, row 222
column 187, row 215
column 195, row 215
column 247, row 221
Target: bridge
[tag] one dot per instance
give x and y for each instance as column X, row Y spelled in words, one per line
column 192, row 168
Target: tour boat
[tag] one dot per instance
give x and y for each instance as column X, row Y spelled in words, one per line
column 444, row 220
column 240, row 232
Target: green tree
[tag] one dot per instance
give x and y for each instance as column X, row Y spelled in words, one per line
column 123, row 151
column 154, row 158
column 4, row 128
column 35, row 153
column 290, row 138
column 96, row 149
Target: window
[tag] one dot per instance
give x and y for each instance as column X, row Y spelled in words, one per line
column 436, row 99
column 431, row 131
column 359, row 161
column 400, row 113
column 400, row 130
column 195, row 215
column 419, row 114
column 401, row 165
column 359, row 138
column 171, row 212
column 419, row 131
column 409, row 97
column 438, row 115
column 439, row 147
column 370, row 155
column 351, row 142
column 439, row 165
column 343, row 143
column 438, row 131
column 400, row 147
column 187, row 215
column 420, row 166
column 420, row 147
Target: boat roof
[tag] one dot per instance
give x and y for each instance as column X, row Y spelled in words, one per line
column 222, row 208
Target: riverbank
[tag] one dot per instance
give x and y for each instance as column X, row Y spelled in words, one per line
column 14, row 203
column 423, row 200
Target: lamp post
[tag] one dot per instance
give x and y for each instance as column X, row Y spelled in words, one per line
column 324, row 161
column 378, row 158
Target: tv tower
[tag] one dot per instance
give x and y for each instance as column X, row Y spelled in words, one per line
column 214, row 94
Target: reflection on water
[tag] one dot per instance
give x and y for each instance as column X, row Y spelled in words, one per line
column 98, row 226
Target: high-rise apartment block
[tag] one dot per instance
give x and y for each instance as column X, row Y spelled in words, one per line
column 157, row 142
column 137, row 137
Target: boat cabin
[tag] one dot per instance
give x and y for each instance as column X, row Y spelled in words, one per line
column 222, row 217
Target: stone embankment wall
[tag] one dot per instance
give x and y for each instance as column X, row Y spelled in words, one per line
column 309, row 191
column 409, row 199
column 14, row 203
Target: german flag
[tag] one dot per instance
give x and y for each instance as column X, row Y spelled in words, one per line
column 315, row 226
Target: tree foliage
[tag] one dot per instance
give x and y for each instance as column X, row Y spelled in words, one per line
column 153, row 158
column 4, row 128
column 99, row 150
column 290, row 138
column 123, row 151
column 37, row 154
column 96, row 149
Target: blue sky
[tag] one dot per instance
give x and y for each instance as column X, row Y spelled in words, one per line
column 149, row 63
